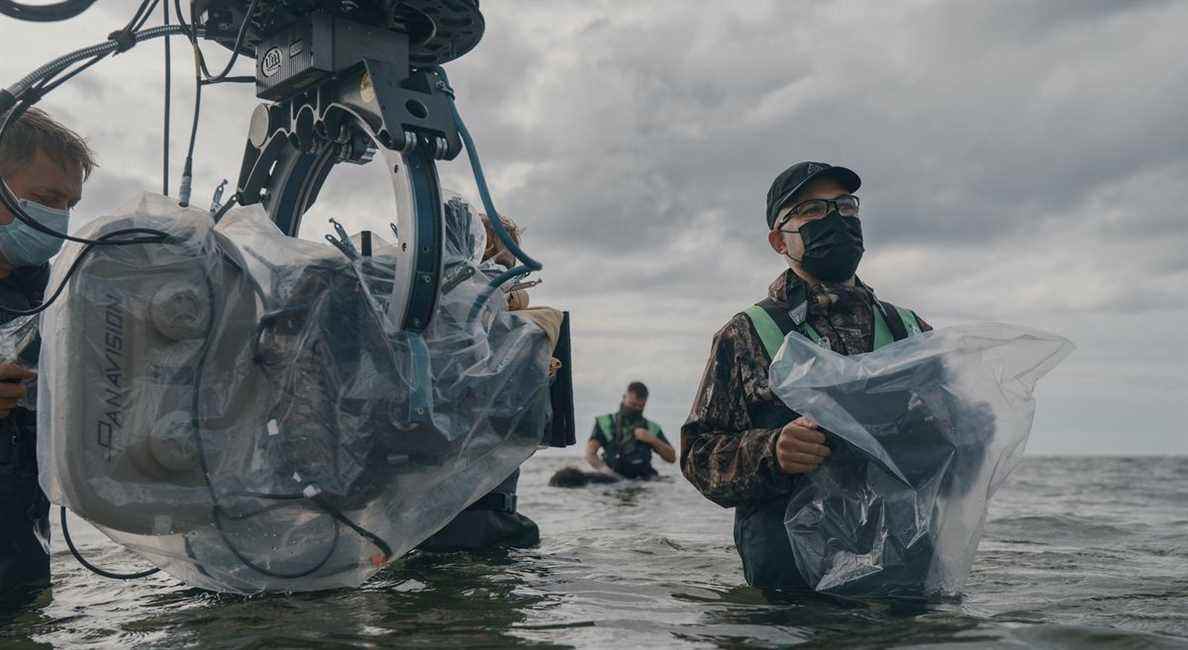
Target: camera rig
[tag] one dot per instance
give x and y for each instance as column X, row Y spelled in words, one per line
column 342, row 81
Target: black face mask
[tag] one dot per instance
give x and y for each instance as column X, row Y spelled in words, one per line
column 629, row 412
column 832, row 247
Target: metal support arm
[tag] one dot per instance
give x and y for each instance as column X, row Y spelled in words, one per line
column 345, row 116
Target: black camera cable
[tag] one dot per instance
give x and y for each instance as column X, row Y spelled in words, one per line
column 216, row 509
column 91, row 567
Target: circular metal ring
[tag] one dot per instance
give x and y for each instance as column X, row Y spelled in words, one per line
column 294, row 187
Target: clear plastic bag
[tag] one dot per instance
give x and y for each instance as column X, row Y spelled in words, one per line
column 235, row 407
column 20, row 345
column 923, row 432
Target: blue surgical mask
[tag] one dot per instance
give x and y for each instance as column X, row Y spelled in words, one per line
column 22, row 245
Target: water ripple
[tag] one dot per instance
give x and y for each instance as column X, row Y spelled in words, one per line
column 1081, row 552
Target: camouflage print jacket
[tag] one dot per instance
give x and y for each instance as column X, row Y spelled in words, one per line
column 728, row 442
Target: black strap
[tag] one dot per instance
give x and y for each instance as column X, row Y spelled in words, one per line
column 612, row 436
column 7, row 101
column 496, row 501
column 124, row 39
column 562, row 428
column 621, row 440
column 784, row 321
column 782, row 318
column 894, row 321
column 31, row 96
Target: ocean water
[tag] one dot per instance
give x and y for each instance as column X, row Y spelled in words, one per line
column 1079, row 553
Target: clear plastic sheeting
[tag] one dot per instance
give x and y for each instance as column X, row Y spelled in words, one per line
column 234, row 407
column 19, row 344
column 923, row 432
column 14, row 334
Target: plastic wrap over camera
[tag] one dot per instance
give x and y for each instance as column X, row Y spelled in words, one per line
column 923, row 432
column 235, row 407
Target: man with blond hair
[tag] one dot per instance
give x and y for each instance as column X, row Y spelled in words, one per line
column 44, row 165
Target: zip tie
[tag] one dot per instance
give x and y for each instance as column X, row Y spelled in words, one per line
column 124, row 40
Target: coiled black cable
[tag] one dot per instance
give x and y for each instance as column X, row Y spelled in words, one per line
column 247, row 18
column 91, row 567
column 45, row 303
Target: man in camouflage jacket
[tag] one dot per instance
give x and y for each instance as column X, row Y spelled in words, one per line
column 741, row 446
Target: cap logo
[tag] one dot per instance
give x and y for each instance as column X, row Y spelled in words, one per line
column 813, row 168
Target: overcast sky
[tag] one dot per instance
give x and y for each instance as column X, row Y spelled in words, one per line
column 1024, row 162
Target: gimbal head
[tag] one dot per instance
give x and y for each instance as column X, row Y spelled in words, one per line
column 341, row 78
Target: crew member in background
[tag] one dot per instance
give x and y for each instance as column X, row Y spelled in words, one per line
column 627, row 439
column 45, row 165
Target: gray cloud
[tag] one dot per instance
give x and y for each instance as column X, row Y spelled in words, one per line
column 1022, row 161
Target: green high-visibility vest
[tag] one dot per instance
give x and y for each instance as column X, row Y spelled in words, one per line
column 773, row 337
column 606, row 423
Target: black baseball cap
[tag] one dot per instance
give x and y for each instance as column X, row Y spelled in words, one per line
column 794, row 178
